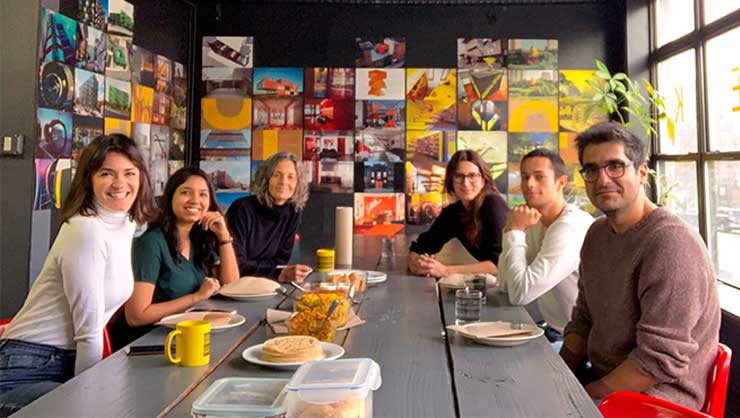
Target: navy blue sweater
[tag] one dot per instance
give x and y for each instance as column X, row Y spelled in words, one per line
column 263, row 236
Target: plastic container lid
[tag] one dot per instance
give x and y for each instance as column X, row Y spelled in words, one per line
column 242, row 396
column 335, row 380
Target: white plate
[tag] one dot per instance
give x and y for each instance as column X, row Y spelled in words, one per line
column 172, row 320
column 249, row 298
column 507, row 341
column 253, row 354
column 376, row 277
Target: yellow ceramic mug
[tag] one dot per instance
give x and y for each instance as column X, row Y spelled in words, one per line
column 192, row 345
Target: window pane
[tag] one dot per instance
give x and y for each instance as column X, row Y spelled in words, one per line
column 677, row 190
column 675, row 18
column 714, row 9
column 677, row 85
column 723, row 91
column 723, row 179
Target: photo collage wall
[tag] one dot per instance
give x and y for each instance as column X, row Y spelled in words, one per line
column 385, row 132
column 94, row 80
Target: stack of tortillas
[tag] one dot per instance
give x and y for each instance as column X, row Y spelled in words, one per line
column 249, row 286
column 291, row 349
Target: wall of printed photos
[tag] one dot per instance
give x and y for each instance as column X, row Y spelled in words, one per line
column 94, row 80
column 385, row 132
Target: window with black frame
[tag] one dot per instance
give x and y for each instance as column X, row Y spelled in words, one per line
column 697, row 69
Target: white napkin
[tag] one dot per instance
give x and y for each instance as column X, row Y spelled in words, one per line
column 457, row 281
column 250, row 285
column 278, row 320
column 498, row 329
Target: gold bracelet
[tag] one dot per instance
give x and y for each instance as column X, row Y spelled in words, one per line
column 226, row 241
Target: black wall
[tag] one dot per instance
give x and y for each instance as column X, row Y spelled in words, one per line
column 316, row 35
column 306, row 35
column 163, row 27
column 18, row 35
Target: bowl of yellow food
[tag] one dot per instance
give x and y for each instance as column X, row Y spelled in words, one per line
column 313, row 323
column 320, row 297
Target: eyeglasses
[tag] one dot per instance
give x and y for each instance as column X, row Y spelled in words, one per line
column 460, row 177
column 613, row 169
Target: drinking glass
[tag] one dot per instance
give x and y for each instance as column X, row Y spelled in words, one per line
column 478, row 283
column 467, row 305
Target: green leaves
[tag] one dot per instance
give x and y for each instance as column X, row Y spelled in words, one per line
column 620, row 96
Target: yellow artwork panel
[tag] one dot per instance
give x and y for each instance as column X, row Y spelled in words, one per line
column 226, row 114
column 528, row 115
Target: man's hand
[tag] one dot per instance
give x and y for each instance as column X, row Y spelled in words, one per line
column 522, row 217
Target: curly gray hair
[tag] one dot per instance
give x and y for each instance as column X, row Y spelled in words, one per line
column 261, row 183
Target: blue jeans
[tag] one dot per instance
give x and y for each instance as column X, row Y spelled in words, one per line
column 29, row 370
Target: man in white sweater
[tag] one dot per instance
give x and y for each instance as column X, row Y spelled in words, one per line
column 542, row 242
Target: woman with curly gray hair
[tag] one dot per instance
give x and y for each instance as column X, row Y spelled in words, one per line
column 264, row 224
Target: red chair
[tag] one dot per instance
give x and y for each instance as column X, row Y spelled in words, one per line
column 107, row 350
column 4, row 323
column 639, row 405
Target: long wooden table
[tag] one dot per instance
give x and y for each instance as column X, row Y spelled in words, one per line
column 425, row 371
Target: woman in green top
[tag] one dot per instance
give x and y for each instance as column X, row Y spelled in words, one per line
column 173, row 258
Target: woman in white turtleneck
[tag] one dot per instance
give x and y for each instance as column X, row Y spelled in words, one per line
column 87, row 276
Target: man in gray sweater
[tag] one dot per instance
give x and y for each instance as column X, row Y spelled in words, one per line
column 647, row 314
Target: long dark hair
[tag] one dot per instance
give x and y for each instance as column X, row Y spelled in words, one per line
column 471, row 215
column 203, row 243
column 81, row 198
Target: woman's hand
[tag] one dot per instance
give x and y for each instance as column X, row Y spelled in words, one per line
column 215, row 222
column 295, row 273
column 413, row 263
column 428, row 265
column 207, row 289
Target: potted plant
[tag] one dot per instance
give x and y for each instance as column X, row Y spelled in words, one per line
column 621, row 97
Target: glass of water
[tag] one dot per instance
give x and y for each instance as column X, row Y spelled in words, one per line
column 478, row 283
column 467, row 305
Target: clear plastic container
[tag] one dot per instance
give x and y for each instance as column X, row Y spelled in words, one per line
column 242, row 397
column 336, row 388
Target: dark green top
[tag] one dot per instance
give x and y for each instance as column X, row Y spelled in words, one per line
column 153, row 264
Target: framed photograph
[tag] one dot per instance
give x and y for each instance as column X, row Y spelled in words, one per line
column 532, row 54
column 278, row 81
column 120, row 17
column 55, row 134
column 228, row 51
column 332, row 83
column 84, row 130
column 117, row 58
column 57, row 37
column 89, row 93
column 431, row 98
column 91, row 49
column 143, row 66
column 225, row 113
column 379, row 208
column 226, row 82
column 380, row 52
column 483, row 53
column 373, row 144
column 328, row 145
column 117, row 99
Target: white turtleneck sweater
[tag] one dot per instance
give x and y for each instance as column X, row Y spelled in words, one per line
column 87, row 276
